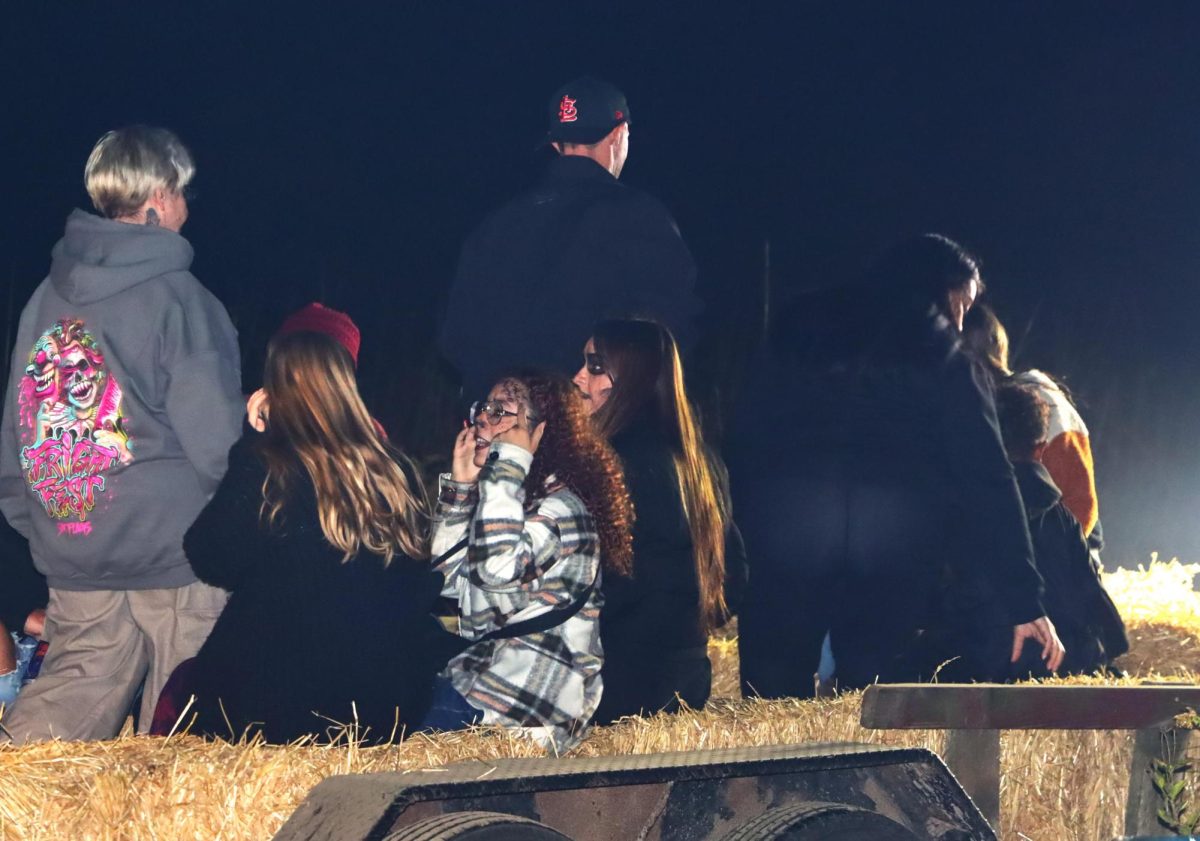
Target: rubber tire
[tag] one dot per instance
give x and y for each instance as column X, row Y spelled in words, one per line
column 477, row 826
column 820, row 822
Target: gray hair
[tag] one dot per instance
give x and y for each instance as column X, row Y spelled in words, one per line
column 128, row 165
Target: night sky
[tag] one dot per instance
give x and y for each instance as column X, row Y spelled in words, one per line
column 344, row 151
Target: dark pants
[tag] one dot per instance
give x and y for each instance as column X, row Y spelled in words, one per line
column 645, row 681
column 449, row 710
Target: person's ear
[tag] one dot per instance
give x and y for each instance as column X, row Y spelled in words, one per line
column 536, row 438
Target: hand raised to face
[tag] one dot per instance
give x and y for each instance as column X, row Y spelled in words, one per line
column 462, row 465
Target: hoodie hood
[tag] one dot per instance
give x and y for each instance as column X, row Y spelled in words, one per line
column 98, row 258
column 1038, row 491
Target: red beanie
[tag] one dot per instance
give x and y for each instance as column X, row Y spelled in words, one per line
column 318, row 318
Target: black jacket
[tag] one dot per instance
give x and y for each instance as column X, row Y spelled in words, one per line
column 873, row 491
column 303, row 634
column 539, row 272
column 22, row 587
column 654, row 645
column 1076, row 602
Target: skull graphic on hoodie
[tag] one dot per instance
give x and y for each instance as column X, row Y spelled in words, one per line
column 73, row 431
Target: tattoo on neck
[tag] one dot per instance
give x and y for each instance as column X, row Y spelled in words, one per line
column 151, row 217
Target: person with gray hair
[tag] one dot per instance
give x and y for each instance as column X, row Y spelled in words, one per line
column 123, row 399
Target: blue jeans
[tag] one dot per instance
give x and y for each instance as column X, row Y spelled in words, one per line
column 10, row 684
column 448, row 710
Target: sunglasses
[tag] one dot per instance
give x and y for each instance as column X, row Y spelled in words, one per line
column 494, row 411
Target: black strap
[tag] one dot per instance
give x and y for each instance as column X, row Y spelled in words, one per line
column 535, row 625
column 445, row 556
column 543, row 621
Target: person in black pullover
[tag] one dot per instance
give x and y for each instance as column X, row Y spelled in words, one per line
column 580, row 243
column 318, row 531
column 689, row 565
column 1088, row 622
column 873, row 490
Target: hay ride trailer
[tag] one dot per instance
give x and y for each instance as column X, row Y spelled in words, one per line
column 780, row 793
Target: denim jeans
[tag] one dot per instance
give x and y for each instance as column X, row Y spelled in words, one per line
column 448, row 710
column 10, row 684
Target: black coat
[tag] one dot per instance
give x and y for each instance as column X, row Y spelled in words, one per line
column 650, row 626
column 22, row 587
column 304, row 634
column 868, row 488
column 1076, row 602
column 536, row 276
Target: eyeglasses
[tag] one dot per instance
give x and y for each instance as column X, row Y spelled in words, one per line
column 493, row 410
column 594, row 362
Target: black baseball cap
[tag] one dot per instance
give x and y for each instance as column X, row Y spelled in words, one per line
column 585, row 111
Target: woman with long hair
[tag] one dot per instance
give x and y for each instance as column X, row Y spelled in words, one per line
column 320, row 531
column 1067, row 452
column 532, row 515
column 655, row 624
column 874, row 493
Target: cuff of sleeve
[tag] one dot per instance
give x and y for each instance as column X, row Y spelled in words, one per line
column 455, row 494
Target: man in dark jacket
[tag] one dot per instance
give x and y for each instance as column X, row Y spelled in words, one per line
column 579, row 246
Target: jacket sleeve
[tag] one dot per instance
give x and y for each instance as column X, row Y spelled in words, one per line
column 510, row 549
column 996, row 550
column 13, row 493
column 1068, row 458
column 228, row 539
column 452, row 517
column 203, row 399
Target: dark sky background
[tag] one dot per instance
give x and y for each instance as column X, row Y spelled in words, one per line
column 345, row 150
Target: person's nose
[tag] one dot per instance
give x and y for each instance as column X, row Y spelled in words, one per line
column 580, row 379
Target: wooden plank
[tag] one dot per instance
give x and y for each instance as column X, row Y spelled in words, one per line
column 974, row 758
column 1032, row 707
column 1143, row 802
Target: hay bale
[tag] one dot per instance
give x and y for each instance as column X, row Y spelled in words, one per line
column 1062, row 785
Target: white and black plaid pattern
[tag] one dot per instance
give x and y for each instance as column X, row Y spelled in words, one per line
column 520, row 563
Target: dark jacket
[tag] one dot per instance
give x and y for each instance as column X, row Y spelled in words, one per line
column 868, row 482
column 654, row 645
column 304, row 635
column 1076, row 602
column 539, row 272
column 123, row 398
column 22, row 588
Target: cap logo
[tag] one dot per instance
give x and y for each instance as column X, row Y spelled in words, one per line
column 618, row 115
column 567, row 112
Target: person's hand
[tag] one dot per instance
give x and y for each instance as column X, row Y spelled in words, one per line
column 8, row 652
column 462, row 466
column 1042, row 630
column 35, row 623
column 521, row 434
column 258, row 410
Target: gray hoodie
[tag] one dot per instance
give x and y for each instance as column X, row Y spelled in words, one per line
column 124, row 396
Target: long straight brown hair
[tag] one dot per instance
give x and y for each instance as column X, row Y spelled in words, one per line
column 365, row 500
column 648, row 387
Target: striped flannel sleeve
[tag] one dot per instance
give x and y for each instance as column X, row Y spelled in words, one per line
column 455, row 507
column 509, row 549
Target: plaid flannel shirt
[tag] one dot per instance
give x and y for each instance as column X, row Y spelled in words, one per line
column 521, row 563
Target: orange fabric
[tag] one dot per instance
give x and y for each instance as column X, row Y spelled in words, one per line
column 1068, row 460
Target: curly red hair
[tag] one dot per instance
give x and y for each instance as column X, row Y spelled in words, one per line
column 575, row 455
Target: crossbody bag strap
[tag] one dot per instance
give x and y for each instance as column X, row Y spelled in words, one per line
column 542, row 622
